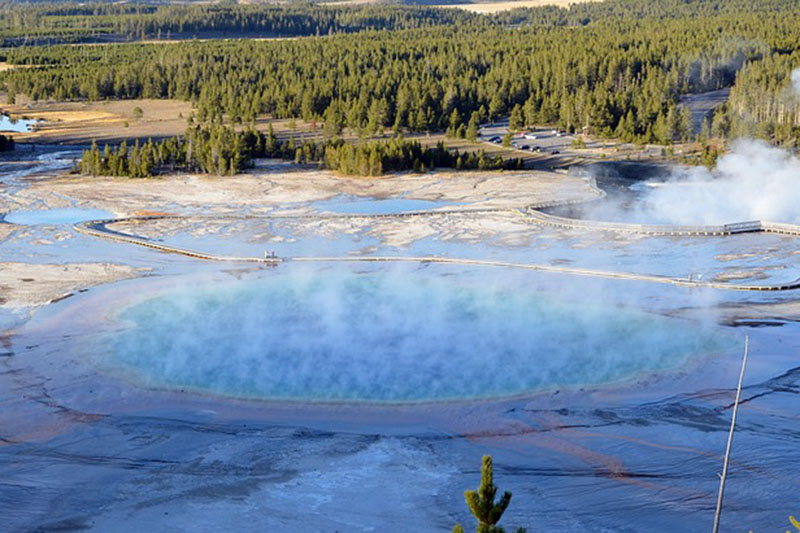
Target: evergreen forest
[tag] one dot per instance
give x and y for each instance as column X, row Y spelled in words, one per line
column 613, row 69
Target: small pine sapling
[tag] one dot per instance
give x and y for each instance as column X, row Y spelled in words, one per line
column 481, row 502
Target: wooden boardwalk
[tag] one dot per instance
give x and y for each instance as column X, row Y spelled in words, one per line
column 98, row 228
column 754, row 226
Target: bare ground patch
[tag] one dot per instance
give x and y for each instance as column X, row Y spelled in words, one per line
column 34, row 285
column 109, row 121
column 7, row 66
column 287, row 194
column 265, row 191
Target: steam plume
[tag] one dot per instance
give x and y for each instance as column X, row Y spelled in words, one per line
column 755, row 181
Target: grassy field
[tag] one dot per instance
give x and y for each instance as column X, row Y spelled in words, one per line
column 112, row 121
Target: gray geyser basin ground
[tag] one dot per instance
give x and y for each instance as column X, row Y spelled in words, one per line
column 398, row 336
column 89, row 444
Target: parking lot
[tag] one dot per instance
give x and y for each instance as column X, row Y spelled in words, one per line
column 546, row 141
column 545, row 147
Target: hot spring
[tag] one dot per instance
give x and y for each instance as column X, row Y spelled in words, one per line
column 334, row 335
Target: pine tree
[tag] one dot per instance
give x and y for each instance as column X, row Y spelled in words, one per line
column 472, row 127
column 515, row 121
column 496, row 106
column 333, row 121
column 376, row 117
column 660, row 130
column 705, row 130
column 454, row 124
column 686, row 125
column 481, row 502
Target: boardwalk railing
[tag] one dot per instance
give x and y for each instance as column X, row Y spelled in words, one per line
column 780, row 227
column 98, row 228
column 752, row 226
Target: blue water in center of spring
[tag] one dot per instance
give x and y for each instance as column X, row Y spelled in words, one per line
column 389, row 338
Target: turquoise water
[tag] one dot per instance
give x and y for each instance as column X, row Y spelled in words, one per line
column 385, row 338
column 55, row 216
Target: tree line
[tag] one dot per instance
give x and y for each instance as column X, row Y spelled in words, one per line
column 373, row 158
column 765, row 101
column 612, row 76
column 613, row 69
column 92, row 22
column 53, row 22
column 221, row 150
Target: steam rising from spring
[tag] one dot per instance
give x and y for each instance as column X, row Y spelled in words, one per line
column 755, row 181
column 392, row 336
